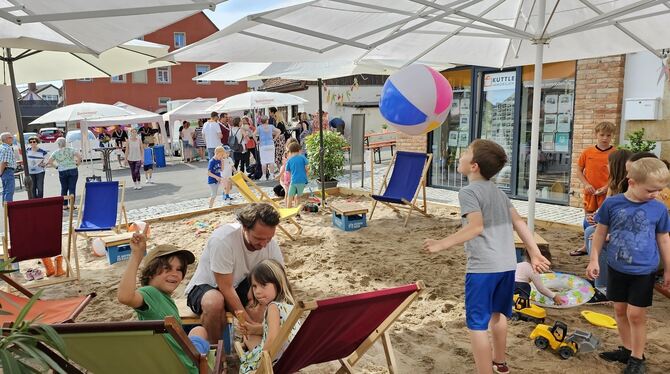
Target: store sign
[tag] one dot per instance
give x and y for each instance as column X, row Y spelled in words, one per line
column 500, row 81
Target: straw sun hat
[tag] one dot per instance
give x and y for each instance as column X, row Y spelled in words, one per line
column 167, row 249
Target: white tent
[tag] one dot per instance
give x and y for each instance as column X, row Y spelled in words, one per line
column 35, row 66
column 194, row 109
column 255, row 100
column 495, row 33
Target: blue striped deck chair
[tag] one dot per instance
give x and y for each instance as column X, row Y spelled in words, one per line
column 407, row 180
column 100, row 206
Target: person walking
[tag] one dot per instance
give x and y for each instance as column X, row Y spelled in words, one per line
column 7, row 166
column 187, row 135
column 249, row 143
column 67, row 161
column 199, row 140
column 120, row 136
column 37, row 158
column 134, row 153
column 211, row 131
column 280, row 141
column 266, row 145
column 236, row 143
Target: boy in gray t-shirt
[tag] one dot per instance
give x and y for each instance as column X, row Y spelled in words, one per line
column 488, row 220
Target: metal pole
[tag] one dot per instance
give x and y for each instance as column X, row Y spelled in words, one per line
column 321, row 150
column 19, row 125
column 535, row 128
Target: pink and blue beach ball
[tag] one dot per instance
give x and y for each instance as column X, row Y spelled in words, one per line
column 416, row 99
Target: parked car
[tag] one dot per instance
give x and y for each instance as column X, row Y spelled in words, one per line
column 73, row 139
column 50, row 134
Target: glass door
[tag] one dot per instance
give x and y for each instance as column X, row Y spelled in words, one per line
column 449, row 140
column 497, row 118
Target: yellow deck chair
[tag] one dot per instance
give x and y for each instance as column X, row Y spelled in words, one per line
column 254, row 194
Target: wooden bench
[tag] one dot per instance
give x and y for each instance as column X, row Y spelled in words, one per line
column 542, row 244
column 376, row 148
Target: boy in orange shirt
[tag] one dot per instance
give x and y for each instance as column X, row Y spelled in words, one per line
column 593, row 172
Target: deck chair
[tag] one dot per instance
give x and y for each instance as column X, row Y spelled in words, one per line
column 33, row 229
column 246, row 187
column 340, row 328
column 48, row 311
column 408, row 178
column 99, row 207
column 130, row 347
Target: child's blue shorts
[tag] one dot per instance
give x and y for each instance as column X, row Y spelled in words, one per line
column 485, row 294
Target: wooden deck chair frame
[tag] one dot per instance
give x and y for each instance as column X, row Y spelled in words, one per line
column 408, row 205
column 122, row 220
column 71, row 274
column 168, row 326
column 70, row 318
column 346, row 363
column 267, row 199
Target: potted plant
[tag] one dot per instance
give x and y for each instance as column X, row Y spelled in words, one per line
column 19, row 343
column 333, row 156
column 384, row 127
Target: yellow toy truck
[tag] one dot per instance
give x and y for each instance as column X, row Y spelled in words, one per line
column 566, row 346
column 524, row 310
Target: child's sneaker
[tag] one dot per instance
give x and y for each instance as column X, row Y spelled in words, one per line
column 622, row 354
column 500, row 368
column 29, row 275
column 635, row 366
column 37, row 274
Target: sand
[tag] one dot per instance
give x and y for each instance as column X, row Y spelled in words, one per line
column 430, row 337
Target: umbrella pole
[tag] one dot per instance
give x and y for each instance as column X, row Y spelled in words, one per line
column 19, row 125
column 321, row 155
column 535, row 128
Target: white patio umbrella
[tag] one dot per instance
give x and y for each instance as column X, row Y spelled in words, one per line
column 138, row 115
column 255, row 100
column 91, row 26
column 36, row 66
column 495, row 33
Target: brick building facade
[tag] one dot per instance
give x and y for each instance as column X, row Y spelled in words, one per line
column 150, row 89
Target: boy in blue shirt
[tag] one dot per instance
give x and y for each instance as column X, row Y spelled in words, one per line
column 638, row 227
column 297, row 166
column 488, row 223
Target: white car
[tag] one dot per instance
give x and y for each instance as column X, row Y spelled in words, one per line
column 73, row 139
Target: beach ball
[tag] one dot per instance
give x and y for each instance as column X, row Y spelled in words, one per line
column 138, row 226
column 98, row 247
column 416, row 99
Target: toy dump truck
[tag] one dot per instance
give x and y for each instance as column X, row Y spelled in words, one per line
column 524, row 310
column 567, row 346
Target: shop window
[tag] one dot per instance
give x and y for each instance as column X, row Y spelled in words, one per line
column 452, row 138
column 556, row 123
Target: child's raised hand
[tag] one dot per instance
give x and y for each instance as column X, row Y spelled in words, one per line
column 593, row 270
column 138, row 243
column 540, row 264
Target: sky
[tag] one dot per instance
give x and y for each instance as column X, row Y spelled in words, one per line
column 227, row 13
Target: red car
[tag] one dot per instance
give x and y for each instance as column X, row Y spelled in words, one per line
column 50, row 134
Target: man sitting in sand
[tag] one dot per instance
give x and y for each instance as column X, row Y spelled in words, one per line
column 220, row 281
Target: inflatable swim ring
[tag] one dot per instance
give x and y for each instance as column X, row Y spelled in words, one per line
column 574, row 290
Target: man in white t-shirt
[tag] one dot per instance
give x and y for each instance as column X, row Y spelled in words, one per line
column 212, row 134
column 220, row 281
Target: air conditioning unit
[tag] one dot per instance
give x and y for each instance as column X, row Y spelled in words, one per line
column 642, row 109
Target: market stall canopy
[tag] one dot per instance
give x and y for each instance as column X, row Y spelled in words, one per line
column 91, row 26
column 256, row 100
column 496, row 33
column 36, row 66
column 246, row 71
column 194, row 109
column 139, row 116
